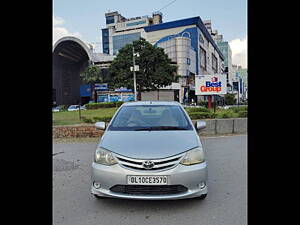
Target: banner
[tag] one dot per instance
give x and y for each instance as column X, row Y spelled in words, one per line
column 101, row 87
column 210, row 84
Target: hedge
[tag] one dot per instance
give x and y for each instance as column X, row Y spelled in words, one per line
column 196, row 109
column 200, row 115
column 243, row 114
column 226, row 114
column 97, row 119
column 239, row 109
column 99, row 105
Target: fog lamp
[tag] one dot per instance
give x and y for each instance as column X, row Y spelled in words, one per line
column 96, row 185
column 201, row 185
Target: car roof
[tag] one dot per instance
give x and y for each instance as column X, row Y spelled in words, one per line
column 151, row 103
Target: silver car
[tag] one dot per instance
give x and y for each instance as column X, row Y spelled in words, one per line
column 150, row 150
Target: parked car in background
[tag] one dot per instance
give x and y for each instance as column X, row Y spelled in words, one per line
column 150, row 151
column 56, row 109
column 76, row 108
column 73, row 108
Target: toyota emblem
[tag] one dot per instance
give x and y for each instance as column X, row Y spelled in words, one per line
column 148, row 165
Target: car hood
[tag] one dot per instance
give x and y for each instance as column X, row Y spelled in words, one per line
column 149, row 144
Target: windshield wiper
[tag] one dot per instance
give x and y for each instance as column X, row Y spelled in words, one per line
column 161, row 128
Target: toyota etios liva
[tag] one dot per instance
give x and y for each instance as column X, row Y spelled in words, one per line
column 150, row 150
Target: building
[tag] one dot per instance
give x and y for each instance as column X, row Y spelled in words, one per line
column 187, row 43
column 243, row 74
column 240, row 84
column 226, row 51
column 70, row 57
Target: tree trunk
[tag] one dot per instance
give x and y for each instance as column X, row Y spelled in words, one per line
column 94, row 93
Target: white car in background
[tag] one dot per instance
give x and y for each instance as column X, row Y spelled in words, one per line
column 73, row 108
column 56, row 109
column 76, row 108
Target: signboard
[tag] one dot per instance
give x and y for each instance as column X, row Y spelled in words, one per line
column 123, row 89
column 101, row 87
column 85, row 90
column 133, row 24
column 210, row 84
column 136, row 23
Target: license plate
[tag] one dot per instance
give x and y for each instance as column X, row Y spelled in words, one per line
column 148, row 180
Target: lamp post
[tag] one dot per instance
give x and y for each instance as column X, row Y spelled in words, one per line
column 134, row 68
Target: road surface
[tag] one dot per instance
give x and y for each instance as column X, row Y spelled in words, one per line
column 226, row 203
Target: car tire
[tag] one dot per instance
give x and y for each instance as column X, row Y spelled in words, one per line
column 202, row 197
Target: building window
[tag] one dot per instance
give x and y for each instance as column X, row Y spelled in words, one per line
column 201, row 40
column 214, row 63
column 110, row 19
column 202, row 59
column 188, row 61
column 105, row 41
column 121, row 40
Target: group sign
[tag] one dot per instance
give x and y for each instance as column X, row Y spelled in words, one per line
column 210, row 84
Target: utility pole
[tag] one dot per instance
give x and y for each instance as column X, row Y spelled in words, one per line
column 134, row 76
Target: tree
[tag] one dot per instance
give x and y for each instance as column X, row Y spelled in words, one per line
column 155, row 69
column 229, row 99
column 91, row 75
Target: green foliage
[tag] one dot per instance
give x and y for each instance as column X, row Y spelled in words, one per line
column 226, row 114
column 239, row 109
column 87, row 120
column 103, row 105
column 63, row 107
column 91, row 74
column 118, row 104
column 243, row 114
column 102, row 118
column 229, row 99
column 199, row 115
column 198, row 109
column 155, row 69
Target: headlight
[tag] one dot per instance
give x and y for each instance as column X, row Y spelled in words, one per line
column 193, row 156
column 104, row 157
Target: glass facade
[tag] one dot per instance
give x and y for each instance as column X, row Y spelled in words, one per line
column 121, row 40
column 105, row 41
column 223, row 46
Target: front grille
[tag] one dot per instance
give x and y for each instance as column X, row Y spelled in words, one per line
column 148, row 190
column 159, row 164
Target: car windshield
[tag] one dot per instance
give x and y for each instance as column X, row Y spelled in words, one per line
column 153, row 117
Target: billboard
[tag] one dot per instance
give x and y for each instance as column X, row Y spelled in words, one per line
column 210, row 84
column 85, row 90
column 101, row 87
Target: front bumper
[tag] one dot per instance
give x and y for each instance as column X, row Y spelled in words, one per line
column 189, row 176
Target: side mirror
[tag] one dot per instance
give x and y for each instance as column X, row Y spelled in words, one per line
column 200, row 125
column 100, row 125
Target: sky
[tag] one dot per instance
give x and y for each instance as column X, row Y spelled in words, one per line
column 85, row 18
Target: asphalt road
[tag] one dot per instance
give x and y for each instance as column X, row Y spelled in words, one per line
column 226, row 203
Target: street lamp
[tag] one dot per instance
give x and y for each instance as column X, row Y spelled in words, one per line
column 134, row 68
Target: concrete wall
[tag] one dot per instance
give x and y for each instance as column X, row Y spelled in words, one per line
column 224, row 126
